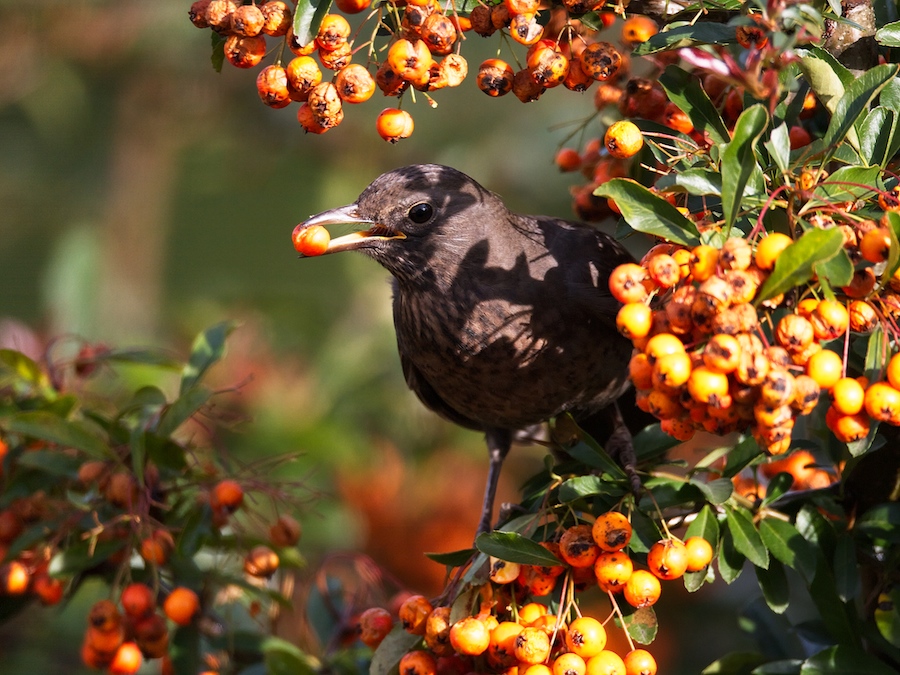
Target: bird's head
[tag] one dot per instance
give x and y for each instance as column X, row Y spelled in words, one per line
column 409, row 215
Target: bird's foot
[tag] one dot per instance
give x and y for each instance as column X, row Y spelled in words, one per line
column 620, row 447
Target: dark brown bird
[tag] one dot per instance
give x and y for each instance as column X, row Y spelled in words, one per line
column 503, row 320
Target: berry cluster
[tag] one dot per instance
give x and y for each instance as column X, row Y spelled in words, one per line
column 707, row 359
column 510, row 629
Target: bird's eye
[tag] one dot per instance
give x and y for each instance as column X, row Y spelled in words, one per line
column 421, row 212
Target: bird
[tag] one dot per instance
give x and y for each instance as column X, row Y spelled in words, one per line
column 503, row 321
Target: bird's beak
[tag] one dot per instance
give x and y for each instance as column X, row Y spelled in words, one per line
column 349, row 215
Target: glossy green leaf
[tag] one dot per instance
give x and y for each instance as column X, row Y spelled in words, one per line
column 52, row 462
column 788, row 546
column 217, row 56
column 746, row 537
column 307, row 16
column 881, row 522
column 855, row 101
column 208, row 348
column 641, row 624
column 716, row 491
column 878, row 138
column 647, row 212
column 685, row 91
column 779, row 484
column 774, row 585
column 849, row 183
column 48, row 427
column 890, row 96
column 588, row 486
column 82, row 555
column 147, row 357
column 730, row 561
column 782, row 667
column 888, row 35
column 845, row 660
column 591, row 453
column 513, row 547
column 779, row 147
column 20, row 366
column 893, row 262
column 739, row 160
column 826, row 76
column 705, row 525
column 838, row 270
column 796, row 264
column 687, row 35
column 697, row 182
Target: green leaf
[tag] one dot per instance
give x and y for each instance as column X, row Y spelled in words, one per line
column 52, row 462
column 284, row 658
column 588, row 486
column 687, row 35
column 796, row 264
column 893, row 262
column 846, row 568
column 54, row 429
column 774, row 585
column 788, row 546
column 513, row 547
column 397, row 643
column 217, row 57
column 23, row 367
column 827, row 77
column 739, row 160
column 889, row 35
column 887, row 617
column 716, row 491
column 705, row 525
column 779, row 147
column 307, row 16
column 207, row 349
column 782, row 667
column 647, row 212
column 849, row 183
column 855, row 101
column 181, row 410
column 778, row 485
column 746, row 538
column 147, row 357
column 685, row 91
column 878, row 138
column 736, row 663
column 81, row 556
column 590, row 452
column 881, row 522
column 838, row 271
column 699, row 182
column 730, row 560
column 845, row 660
column 452, row 558
column 641, row 624
column 890, row 96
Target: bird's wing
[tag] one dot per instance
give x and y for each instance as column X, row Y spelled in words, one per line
column 416, row 381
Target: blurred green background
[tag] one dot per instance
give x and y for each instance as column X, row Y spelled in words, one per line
column 144, row 197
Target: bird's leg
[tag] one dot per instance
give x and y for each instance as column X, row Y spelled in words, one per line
column 621, row 448
column 498, row 443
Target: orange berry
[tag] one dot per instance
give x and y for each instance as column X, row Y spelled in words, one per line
column 664, row 270
column 532, row 645
column 642, row 589
column 261, row 561
column 613, row 569
column 661, row 345
column 577, row 547
column 48, row 589
column 156, row 548
column 769, row 248
column 794, row 332
column 354, row 83
column 418, row 662
column 547, row 65
column 703, row 262
column 623, row 139
column 568, row 663
column 245, row 52
column 374, row 625
column 333, row 32
column 352, row 6
column 531, row 612
column 600, row 60
column 667, row 559
column 137, row 600
column 276, row 18
column 848, row 395
column 568, row 159
column 875, row 245
column 502, row 646
column 414, row 613
column 181, row 605
column 535, row 669
column 826, row 368
column 722, row 353
column 847, row 428
column 437, row 631
column 127, row 660
column 634, row 320
column 640, row 371
column 863, row 317
column 637, row 29
column 625, row 283
column 94, row 658
column 798, row 137
column 707, row 386
column 495, row 77
column 104, row 616
column 503, row 572
column 285, row 531
column 586, row 637
column 675, row 118
column 699, row 553
column 227, row 495
column 830, row 319
column 882, row 402
column 639, row 662
column 14, row 578
column 893, row 371
column 605, row 663
column 469, row 636
column 310, row 241
column 393, row 124
column 409, row 59
column 671, row 371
